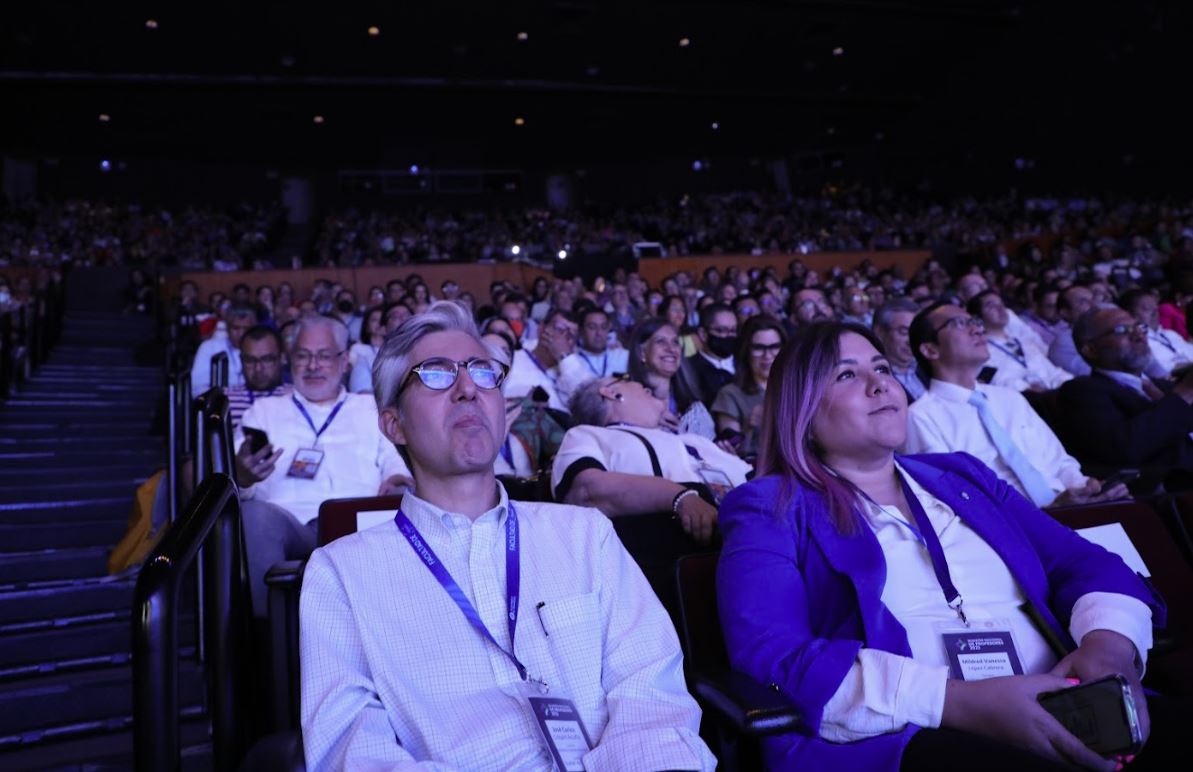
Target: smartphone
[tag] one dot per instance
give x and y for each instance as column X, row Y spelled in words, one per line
column 1124, row 476
column 1100, row 713
column 733, row 436
column 256, row 438
column 986, row 374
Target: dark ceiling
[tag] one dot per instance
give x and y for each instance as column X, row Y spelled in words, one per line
column 592, row 81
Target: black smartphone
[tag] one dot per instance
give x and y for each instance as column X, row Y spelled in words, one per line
column 734, row 437
column 1100, row 713
column 256, row 438
column 986, row 374
column 1124, row 476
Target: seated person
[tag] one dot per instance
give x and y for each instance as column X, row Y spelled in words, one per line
column 1169, row 350
column 539, row 367
column 238, row 320
column 992, row 423
column 593, row 358
column 713, row 364
column 424, row 641
column 261, row 358
column 738, row 406
column 323, row 443
column 362, row 354
column 892, row 323
column 1017, row 365
column 847, row 569
column 606, row 460
column 657, row 362
column 1118, row 417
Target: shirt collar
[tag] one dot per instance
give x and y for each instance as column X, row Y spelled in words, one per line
column 1130, row 380
column 720, row 364
column 298, row 396
column 425, row 514
column 949, row 391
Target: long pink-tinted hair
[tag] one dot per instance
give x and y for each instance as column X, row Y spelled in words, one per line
column 798, row 380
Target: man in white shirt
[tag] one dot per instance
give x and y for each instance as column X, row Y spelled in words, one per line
column 593, row 358
column 892, row 323
column 322, row 443
column 544, row 603
column 1169, row 350
column 238, row 321
column 1018, row 365
column 971, row 284
column 948, row 417
column 539, row 368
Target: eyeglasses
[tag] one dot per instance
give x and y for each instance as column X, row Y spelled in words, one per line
column 439, row 373
column 302, row 357
column 762, row 349
column 723, row 332
column 269, row 360
column 962, row 322
column 1125, row 329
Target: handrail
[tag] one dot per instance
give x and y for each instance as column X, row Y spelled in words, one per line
column 211, row 521
column 219, row 370
column 213, row 435
column 5, row 353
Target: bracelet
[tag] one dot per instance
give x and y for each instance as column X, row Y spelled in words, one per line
column 680, row 497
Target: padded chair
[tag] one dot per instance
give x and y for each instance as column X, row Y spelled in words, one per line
column 655, row 542
column 1170, row 665
column 740, row 706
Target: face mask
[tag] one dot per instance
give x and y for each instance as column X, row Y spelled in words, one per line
column 722, row 347
column 517, row 326
column 345, row 306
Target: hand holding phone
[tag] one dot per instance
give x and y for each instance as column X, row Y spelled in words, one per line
column 1099, row 713
column 256, row 438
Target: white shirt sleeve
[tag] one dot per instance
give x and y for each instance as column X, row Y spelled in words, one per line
column 579, row 442
column 344, row 724
column 882, row 693
column 1121, row 614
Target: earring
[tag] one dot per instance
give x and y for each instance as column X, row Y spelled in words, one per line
column 619, row 397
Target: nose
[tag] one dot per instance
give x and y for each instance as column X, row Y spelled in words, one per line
column 464, row 389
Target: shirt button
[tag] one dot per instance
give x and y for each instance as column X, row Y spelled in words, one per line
column 965, row 495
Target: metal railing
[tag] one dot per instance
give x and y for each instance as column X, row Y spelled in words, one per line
column 211, row 454
column 211, row 521
column 219, row 370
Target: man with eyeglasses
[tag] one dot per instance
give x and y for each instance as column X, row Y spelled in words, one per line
column 538, row 368
column 592, row 358
column 237, row 321
column 995, row 424
column 475, row 631
column 1118, row 417
column 261, row 358
column 320, row 443
column 892, row 324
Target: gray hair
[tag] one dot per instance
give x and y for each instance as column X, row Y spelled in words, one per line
column 311, row 322
column 882, row 317
column 393, row 360
column 587, row 405
column 1085, row 328
column 242, row 312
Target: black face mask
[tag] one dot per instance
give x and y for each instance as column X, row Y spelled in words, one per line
column 346, row 306
column 722, row 347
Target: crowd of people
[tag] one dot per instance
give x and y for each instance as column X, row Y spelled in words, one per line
column 897, row 422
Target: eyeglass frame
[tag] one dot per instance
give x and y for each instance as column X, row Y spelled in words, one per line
column 415, row 371
column 301, row 357
column 968, row 322
column 1124, row 329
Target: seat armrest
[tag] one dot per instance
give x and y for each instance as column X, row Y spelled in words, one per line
column 284, row 583
column 746, row 704
column 278, row 752
column 286, row 575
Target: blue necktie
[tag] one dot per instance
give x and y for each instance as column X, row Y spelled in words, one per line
column 1038, row 489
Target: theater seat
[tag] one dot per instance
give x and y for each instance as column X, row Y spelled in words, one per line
column 279, row 752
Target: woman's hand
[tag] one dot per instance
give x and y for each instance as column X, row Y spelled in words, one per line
column 697, row 517
column 1105, row 653
column 1006, row 709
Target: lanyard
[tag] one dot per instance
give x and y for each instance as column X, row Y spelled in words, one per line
column 1159, row 338
column 512, row 579
column 539, row 365
column 507, row 453
column 931, row 542
column 587, row 361
column 1020, row 357
column 331, row 417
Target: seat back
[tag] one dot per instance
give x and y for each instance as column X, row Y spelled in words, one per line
column 699, row 622
column 340, row 517
column 655, row 542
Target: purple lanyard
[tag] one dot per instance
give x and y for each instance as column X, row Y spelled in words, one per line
column 512, row 579
column 931, row 542
column 604, row 363
column 1021, row 357
column 539, row 365
column 331, row 417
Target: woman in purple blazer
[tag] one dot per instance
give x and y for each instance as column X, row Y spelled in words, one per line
column 888, row 596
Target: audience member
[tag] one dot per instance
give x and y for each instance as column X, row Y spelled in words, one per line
column 237, row 320
column 656, row 361
column 737, row 408
column 592, row 358
column 849, row 578
column 261, row 358
column 713, row 365
column 362, row 354
column 322, row 443
column 538, row 368
column 1169, row 350
column 597, row 642
column 1017, row 365
column 892, row 323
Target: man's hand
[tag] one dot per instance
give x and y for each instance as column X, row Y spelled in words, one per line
column 698, row 518
column 1105, row 653
column 1006, row 709
column 395, row 485
column 252, row 468
column 1091, row 493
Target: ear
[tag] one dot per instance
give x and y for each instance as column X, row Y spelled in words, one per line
column 608, row 391
column 389, row 421
column 931, row 351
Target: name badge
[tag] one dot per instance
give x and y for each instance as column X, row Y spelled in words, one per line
column 717, row 481
column 562, row 730
column 305, row 464
column 984, row 650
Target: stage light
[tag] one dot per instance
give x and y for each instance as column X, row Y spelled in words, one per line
column 318, row 119
column 684, row 42
column 838, row 51
column 697, row 166
column 105, row 165
column 519, row 121
column 523, row 37
column 104, row 117
column 715, row 126
column 515, row 250
column 374, row 31
column 414, row 168
column 563, row 254
column 151, row 24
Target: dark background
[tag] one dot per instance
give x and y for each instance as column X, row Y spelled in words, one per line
column 218, row 102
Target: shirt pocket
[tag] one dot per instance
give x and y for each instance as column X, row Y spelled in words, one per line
column 575, row 637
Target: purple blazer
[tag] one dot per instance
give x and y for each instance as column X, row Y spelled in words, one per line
column 798, row 600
